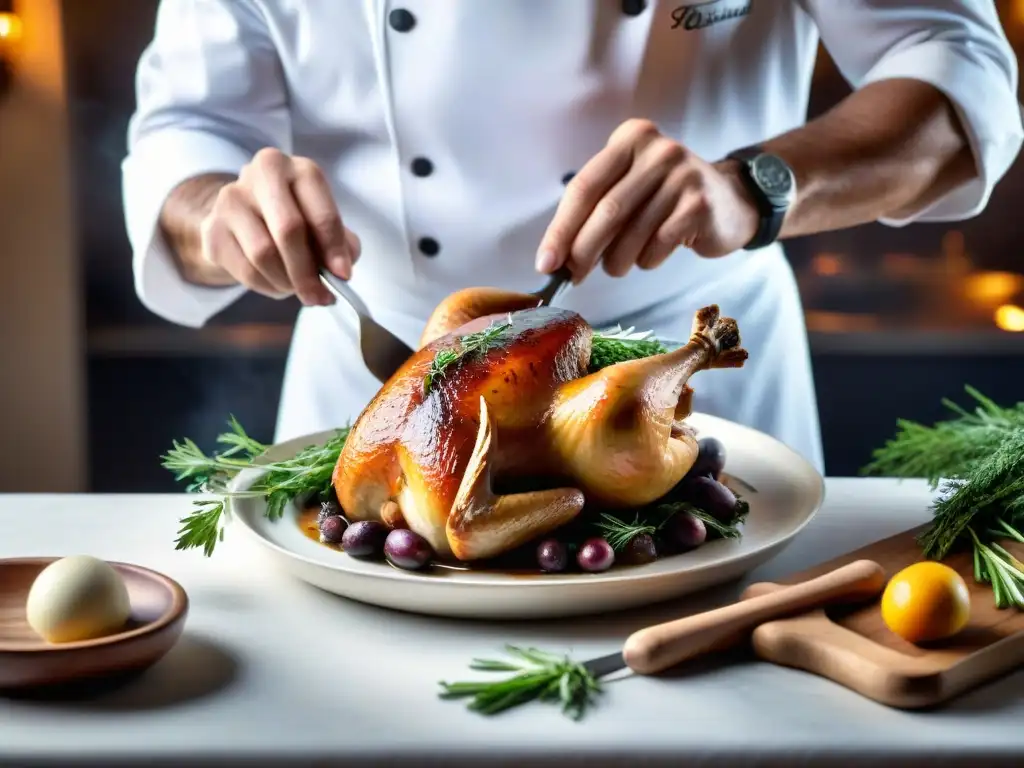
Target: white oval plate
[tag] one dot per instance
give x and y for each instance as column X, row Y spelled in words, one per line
column 789, row 491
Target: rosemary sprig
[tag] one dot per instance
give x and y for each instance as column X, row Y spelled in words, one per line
column 203, row 472
column 976, row 461
column 607, row 348
column 727, row 529
column 472, row 344
column 618, row 532
column 308, row 472
column 994, row 565
column 717, row 527
column 539, row 676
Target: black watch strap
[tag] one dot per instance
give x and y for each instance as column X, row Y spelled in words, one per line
column 771, row 213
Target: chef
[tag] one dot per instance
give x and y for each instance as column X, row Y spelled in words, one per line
column 660, row 149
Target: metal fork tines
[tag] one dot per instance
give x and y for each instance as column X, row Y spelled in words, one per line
column 382, row 351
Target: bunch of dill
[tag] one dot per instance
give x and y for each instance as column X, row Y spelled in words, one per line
column 976, row 462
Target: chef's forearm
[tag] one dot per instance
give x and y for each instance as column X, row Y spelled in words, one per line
column 885, row 151
column 181, row 225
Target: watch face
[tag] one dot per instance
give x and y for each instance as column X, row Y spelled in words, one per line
column 773, row 175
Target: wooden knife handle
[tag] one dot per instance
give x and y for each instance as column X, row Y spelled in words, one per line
column 655, row 649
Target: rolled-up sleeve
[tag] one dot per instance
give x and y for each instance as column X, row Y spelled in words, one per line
column 957, row 46
column 210, row 94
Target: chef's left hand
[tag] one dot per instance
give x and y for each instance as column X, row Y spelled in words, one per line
column 641, row 197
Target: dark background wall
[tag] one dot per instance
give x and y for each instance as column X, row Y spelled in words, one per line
column 881, row 350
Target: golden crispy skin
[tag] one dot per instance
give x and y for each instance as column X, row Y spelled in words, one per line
column 413, row 448
column 467, row 306
column 527, row 408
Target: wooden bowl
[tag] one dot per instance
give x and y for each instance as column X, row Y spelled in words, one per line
column 158, row 609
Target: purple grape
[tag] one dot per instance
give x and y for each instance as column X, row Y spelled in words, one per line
column 552, row 556
column 595, row 555
column 365, row 539
column 641, row 549
column 687, row 531
column 332, row 529
column 710, row 461
column 405, row 549
column 712, row 497
column 328, row 509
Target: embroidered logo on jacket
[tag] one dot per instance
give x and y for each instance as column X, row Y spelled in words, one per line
column 705, row 14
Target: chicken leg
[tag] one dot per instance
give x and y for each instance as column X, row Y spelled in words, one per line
column 615, row 430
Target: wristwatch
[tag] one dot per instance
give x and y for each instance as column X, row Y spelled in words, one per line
column 773, row 186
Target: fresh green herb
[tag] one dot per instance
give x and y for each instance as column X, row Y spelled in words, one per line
column 723, row 529
column 976, row 461
column 717, row 528
column 618, row 532
column 202, row 528
column 948, row 448
column 307, row 473
column 607, row 348
column 539, row 676
column 188, row 462
column 616, row 346
column 477, row 343
column 994, row 565
column 542, row 676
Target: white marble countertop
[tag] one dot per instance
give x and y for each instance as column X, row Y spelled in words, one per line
column 270, row 670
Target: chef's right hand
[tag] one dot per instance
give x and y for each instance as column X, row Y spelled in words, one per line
column 273, row 227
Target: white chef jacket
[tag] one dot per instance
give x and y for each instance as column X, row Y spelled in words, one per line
column 505, row 99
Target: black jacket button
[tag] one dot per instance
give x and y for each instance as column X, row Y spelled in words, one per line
column 421, row 167
column 401, row 20
column 429, row 246
column 633, row 7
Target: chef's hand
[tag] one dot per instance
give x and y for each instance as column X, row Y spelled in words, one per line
column 275, row 225
column 638, row 199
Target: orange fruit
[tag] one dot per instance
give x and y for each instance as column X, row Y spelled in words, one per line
column 926, row 601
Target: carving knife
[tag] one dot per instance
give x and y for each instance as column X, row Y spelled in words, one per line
column 662, row 646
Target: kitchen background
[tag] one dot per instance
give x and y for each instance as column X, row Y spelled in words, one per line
column 93, row 387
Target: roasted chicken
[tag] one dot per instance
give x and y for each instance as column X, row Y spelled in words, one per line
column 498, row 394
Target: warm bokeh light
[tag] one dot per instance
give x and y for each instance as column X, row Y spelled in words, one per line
column 1017, row 11
column 827, row 264
column 821, row 321
column 10, row 28
column 955, row 259
column 992, row 287
column 897, row 265
column 1010, row 317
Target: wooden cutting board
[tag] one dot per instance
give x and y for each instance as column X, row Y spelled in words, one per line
column 853, row 647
